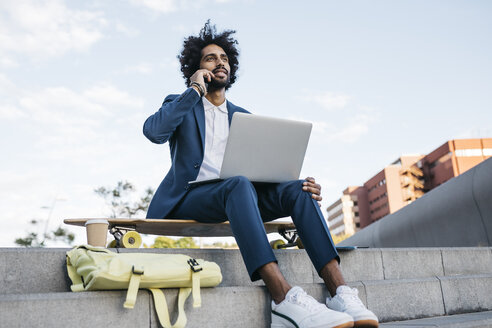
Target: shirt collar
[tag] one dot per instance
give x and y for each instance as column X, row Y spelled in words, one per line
column 207, row 105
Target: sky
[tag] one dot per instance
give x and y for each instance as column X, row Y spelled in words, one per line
column 378, row 79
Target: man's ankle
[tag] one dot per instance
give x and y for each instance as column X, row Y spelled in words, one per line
column 280, row 295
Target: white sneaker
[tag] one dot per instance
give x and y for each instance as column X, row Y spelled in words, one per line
column 299, row 310
column 347, row 300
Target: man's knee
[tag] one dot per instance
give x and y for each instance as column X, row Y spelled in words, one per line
column 294, row 188
column 238, row 180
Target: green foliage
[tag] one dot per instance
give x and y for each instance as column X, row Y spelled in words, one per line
column 163, row 242
column 118, row 199
column 34, row 239
column 339, row 238
column 166, row 242
column 219, row 244
column 186, row 242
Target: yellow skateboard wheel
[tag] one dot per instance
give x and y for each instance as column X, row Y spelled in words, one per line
column 276, row 244
column 112, row 244
column 131, row 239
column 299, row 243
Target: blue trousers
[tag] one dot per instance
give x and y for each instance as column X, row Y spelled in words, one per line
column 247, row 205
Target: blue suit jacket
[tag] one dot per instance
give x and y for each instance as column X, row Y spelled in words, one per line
column 181, row 121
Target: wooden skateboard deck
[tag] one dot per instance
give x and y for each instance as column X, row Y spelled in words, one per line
column 185, row 228
column 126, row 231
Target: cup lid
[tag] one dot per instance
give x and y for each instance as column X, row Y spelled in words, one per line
column 92, row 221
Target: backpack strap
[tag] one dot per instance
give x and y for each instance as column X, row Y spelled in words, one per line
column 195, row 286
column 162, row 310
column 77, row 283
column 131, row 295
column 195, row 281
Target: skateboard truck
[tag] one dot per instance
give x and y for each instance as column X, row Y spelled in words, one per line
column 290, row 235
column 125, row 237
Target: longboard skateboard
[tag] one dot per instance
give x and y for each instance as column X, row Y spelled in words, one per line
column 126, row 232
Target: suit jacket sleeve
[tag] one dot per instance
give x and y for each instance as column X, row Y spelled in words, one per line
column 160, row 126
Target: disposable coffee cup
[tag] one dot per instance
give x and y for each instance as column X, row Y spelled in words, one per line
column 97, row 232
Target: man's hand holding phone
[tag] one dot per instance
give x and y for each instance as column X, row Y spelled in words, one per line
column 201, row 77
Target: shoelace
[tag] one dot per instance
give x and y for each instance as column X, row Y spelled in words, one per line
column 306, row 301
column 350, row 297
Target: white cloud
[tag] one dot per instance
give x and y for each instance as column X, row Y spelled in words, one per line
column 169, row 6
column 354, row 130
column 107, row 94
column 473, row 132
column 10, row 112
column 348, row 125
column 349, row 130
column 146, row 68
column 328, row 100
column 128, row 31
column 160, row 6
column 141, row 68
column 47, row 28
column 67, row 120
column 6, row 62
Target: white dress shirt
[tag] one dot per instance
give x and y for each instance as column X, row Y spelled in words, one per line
column 216, row 133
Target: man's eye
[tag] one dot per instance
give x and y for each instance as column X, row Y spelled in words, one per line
column 209, row 59
column 225, row 59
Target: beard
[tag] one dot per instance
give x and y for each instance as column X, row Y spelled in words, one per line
column 215, row 84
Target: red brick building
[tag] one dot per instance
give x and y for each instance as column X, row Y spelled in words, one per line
column 404, row 181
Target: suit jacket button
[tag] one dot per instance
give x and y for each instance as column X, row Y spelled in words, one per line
column 196, row 165
column 187, row 187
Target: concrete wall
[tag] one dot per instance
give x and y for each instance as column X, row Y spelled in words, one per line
column 457, row 213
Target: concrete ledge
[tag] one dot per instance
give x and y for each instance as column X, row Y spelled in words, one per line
column 404, row 299
column 242, row 307
column 83, row 310
column 409, row 263
column 467, row 260
column 469, row 320
column 33, row 270
column 42, row 270
column 362, row 264
column 463, row 294
column 246, row 306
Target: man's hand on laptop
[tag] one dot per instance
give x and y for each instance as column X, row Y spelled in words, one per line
column 311, row 186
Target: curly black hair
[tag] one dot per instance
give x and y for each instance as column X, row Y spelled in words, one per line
column 192, row 51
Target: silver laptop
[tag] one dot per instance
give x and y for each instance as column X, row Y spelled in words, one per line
column 264, row 149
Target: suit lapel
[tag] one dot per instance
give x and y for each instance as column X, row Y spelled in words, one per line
column 230, row 111
column 200, row 120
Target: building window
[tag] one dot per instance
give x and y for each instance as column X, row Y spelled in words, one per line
column 335, row 220
column 335, row 209
column 487, row 151
column 440, row 160
column 468, row 152
column 338, row 230
column 357, row 225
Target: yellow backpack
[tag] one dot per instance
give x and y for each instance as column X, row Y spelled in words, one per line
column 96, row 268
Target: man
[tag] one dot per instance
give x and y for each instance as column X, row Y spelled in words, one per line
column 196, row 125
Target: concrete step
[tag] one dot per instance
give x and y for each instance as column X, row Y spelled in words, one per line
column 468, row 320
column 43, row 270
column 247, row 306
